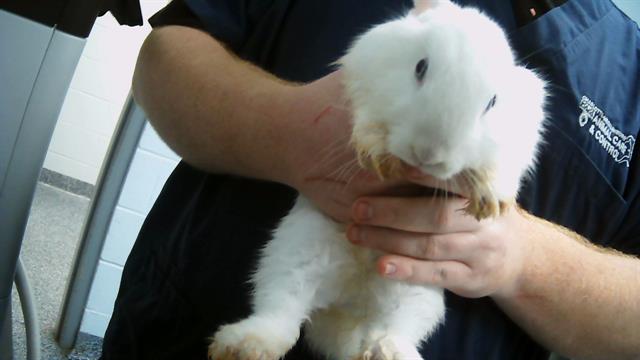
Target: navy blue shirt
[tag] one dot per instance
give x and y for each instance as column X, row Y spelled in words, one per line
column 188, row 271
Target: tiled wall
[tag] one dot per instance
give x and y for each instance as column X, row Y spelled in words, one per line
column 152, row 164
column 96, row 96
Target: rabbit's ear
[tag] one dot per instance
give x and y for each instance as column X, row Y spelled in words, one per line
column 422, row 5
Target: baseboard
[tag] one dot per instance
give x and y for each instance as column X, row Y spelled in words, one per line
column 88, row 347
column 66, row 183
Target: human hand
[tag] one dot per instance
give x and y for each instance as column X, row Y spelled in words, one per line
column 324, row 167
column 431, row 241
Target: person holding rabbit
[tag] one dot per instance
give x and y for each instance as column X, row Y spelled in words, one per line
column 245, row 92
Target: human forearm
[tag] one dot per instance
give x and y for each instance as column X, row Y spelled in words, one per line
column 578, row 300
column 225, row 115
column 218, row 112
column 572, row 297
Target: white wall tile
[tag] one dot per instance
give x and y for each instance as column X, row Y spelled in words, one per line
column 150, row 7
column 87, row 147
column 107, row 20
column 152, row 142
column 70, row 167
column 99, row 88
column 95, row 78
column 105, row 288
column 90, row 113
column 96, row 47
column 94, row 323
column 123, row 231
column 103, row 80
column 145, row 179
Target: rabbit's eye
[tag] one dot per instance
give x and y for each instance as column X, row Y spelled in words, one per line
column 421, row 69
column 491, row 104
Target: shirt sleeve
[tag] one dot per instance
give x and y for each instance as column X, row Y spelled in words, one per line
column 229, row 21
column 176, row 13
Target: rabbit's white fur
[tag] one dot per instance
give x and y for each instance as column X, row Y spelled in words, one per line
column 439, row 125
column 309, row 273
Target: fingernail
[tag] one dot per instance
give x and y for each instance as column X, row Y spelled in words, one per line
column 356, row 235
column 390, row 269
column 364, row 211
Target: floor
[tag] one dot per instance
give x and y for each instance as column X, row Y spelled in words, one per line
column 48, row 250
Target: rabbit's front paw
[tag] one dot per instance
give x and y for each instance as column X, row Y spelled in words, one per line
column 250, row 339
column 485, row 207
column 483, row 202
column 389, row 348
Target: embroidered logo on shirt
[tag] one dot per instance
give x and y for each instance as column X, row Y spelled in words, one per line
column 618, row 145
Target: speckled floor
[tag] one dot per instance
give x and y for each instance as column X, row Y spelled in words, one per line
column 48, row 249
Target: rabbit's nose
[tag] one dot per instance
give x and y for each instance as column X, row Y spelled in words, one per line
column 424, row 156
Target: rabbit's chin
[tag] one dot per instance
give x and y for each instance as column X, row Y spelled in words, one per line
column 385, row 166
column 479, row 184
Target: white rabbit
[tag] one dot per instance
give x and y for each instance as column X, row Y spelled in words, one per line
column 438, row 89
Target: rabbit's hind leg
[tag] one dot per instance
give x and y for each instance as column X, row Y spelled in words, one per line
column 292, row 267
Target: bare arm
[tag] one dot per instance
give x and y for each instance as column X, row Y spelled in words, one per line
column 218, row 112
column 581, row 301
column 225, row 115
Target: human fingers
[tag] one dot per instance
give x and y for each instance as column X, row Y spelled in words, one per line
column 447, row 274
column 414, row 214
column 460, row 247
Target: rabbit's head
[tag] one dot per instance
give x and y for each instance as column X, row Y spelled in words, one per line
column 439, row 89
